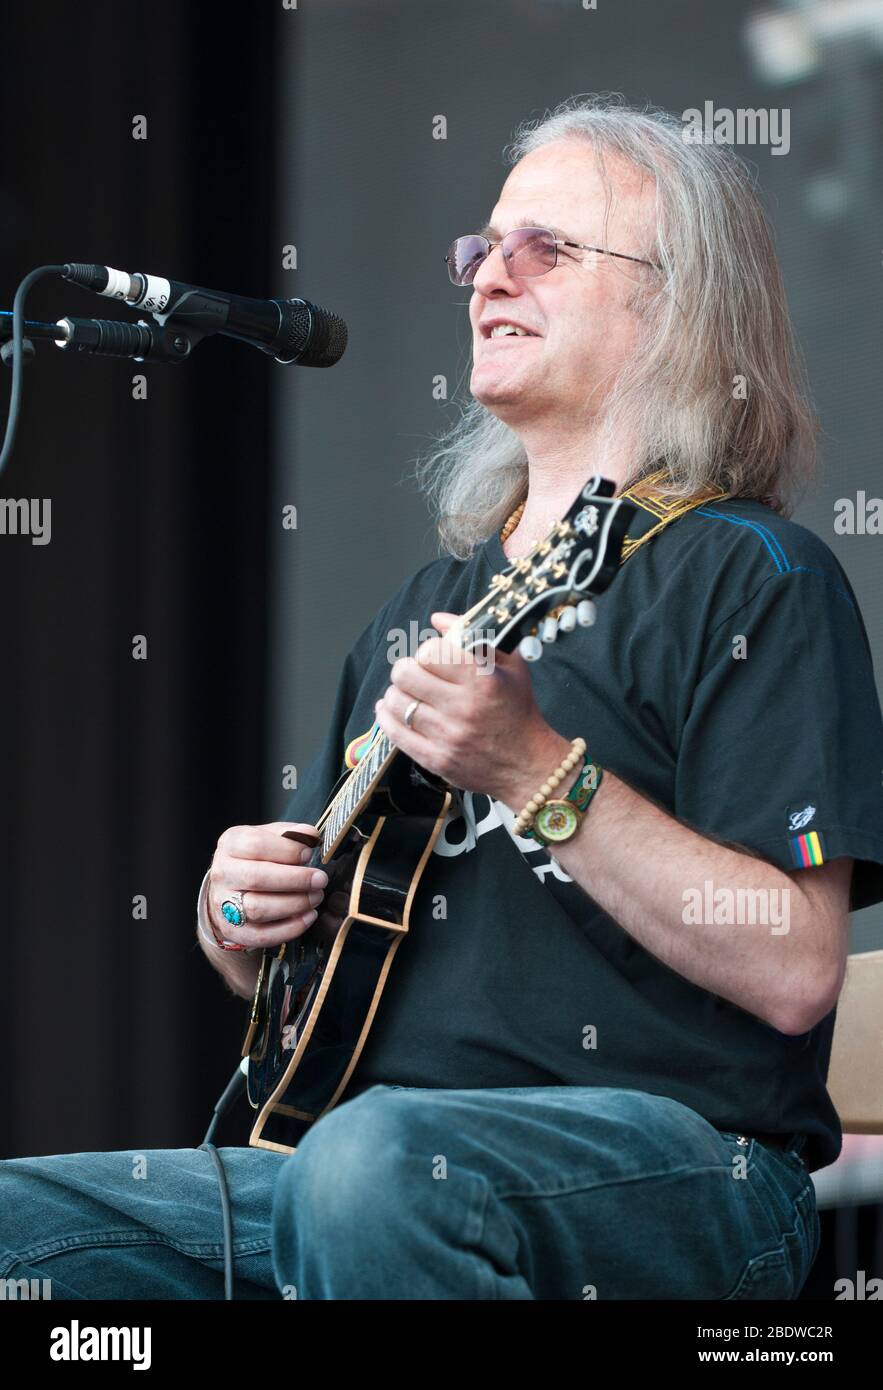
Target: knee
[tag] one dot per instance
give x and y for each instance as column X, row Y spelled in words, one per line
column 360, row 1211
column 350, row 1170
column 362, row 1189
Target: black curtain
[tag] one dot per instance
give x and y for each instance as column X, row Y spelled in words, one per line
column 118, row 774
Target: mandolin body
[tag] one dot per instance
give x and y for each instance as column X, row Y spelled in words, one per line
column 318, row 995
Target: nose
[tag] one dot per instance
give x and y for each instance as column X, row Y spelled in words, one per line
column 493, row 275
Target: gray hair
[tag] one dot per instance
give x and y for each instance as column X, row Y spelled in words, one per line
column 714, row 311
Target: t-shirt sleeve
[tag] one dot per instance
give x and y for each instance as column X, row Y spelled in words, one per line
column 781, row 751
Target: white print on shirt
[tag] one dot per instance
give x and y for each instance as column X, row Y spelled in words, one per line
column 460, row 834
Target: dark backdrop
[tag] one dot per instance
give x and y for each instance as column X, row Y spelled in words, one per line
column 118, row 775
column 269, row 127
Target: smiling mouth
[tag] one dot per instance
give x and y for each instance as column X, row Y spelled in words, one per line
column 507, row 332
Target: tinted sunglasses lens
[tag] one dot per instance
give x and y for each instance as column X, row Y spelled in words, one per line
column 530, row 251
column 465, row 255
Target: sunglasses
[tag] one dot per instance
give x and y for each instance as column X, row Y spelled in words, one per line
column 527, row 251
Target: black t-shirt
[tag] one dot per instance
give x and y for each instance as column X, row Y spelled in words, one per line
column 728, row 678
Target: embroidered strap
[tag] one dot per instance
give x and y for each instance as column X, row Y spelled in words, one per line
column 650, row 497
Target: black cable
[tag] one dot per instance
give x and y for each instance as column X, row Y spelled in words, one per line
column 229, row 1094
column 18, row 321
column 231, row 1091
column 226, row 1217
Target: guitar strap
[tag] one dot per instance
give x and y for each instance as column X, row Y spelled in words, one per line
column 652, row 498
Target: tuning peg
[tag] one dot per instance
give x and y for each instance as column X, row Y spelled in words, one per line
column 586, row 613
column 567, row 619
column 531, row 648
column 549, row 630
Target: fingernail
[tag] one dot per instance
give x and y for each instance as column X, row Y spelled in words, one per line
column 318, row 879
column 306, row 855
column 315, row 898
column 310, row 916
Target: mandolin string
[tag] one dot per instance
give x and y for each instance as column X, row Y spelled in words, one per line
column 455, row 631
column 341, row 794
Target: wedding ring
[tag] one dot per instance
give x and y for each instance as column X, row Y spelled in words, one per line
column 410, row 712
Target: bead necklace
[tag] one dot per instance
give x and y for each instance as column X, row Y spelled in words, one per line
column 509, row 525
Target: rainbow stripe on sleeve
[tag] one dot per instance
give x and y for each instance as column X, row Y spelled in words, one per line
column 806, row 850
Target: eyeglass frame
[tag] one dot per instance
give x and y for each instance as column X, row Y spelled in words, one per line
column 556, row 241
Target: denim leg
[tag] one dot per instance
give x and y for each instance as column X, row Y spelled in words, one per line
column 137, row 1225
column 537, row 1193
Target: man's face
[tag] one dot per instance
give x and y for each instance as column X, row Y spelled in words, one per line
column 578, row 313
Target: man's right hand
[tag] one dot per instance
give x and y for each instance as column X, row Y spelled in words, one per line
column 280, row 894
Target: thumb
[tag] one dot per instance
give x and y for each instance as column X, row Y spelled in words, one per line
column 442, row 621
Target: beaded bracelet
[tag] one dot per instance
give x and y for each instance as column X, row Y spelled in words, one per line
column 526, row 816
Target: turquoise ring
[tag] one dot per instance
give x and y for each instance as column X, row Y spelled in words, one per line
column 233, row 910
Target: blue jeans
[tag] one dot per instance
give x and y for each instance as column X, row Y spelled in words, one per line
column 557, row 1192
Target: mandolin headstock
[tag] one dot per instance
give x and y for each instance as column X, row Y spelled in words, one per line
column 550, row 589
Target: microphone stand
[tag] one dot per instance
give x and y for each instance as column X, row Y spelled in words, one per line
column 169, row 338
column 171, row 341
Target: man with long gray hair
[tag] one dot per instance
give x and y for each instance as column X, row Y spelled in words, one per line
column 592, row 1074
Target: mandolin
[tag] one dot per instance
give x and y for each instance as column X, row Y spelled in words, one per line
column 316, row 997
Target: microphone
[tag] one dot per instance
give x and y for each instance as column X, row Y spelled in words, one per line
column 293, row 331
